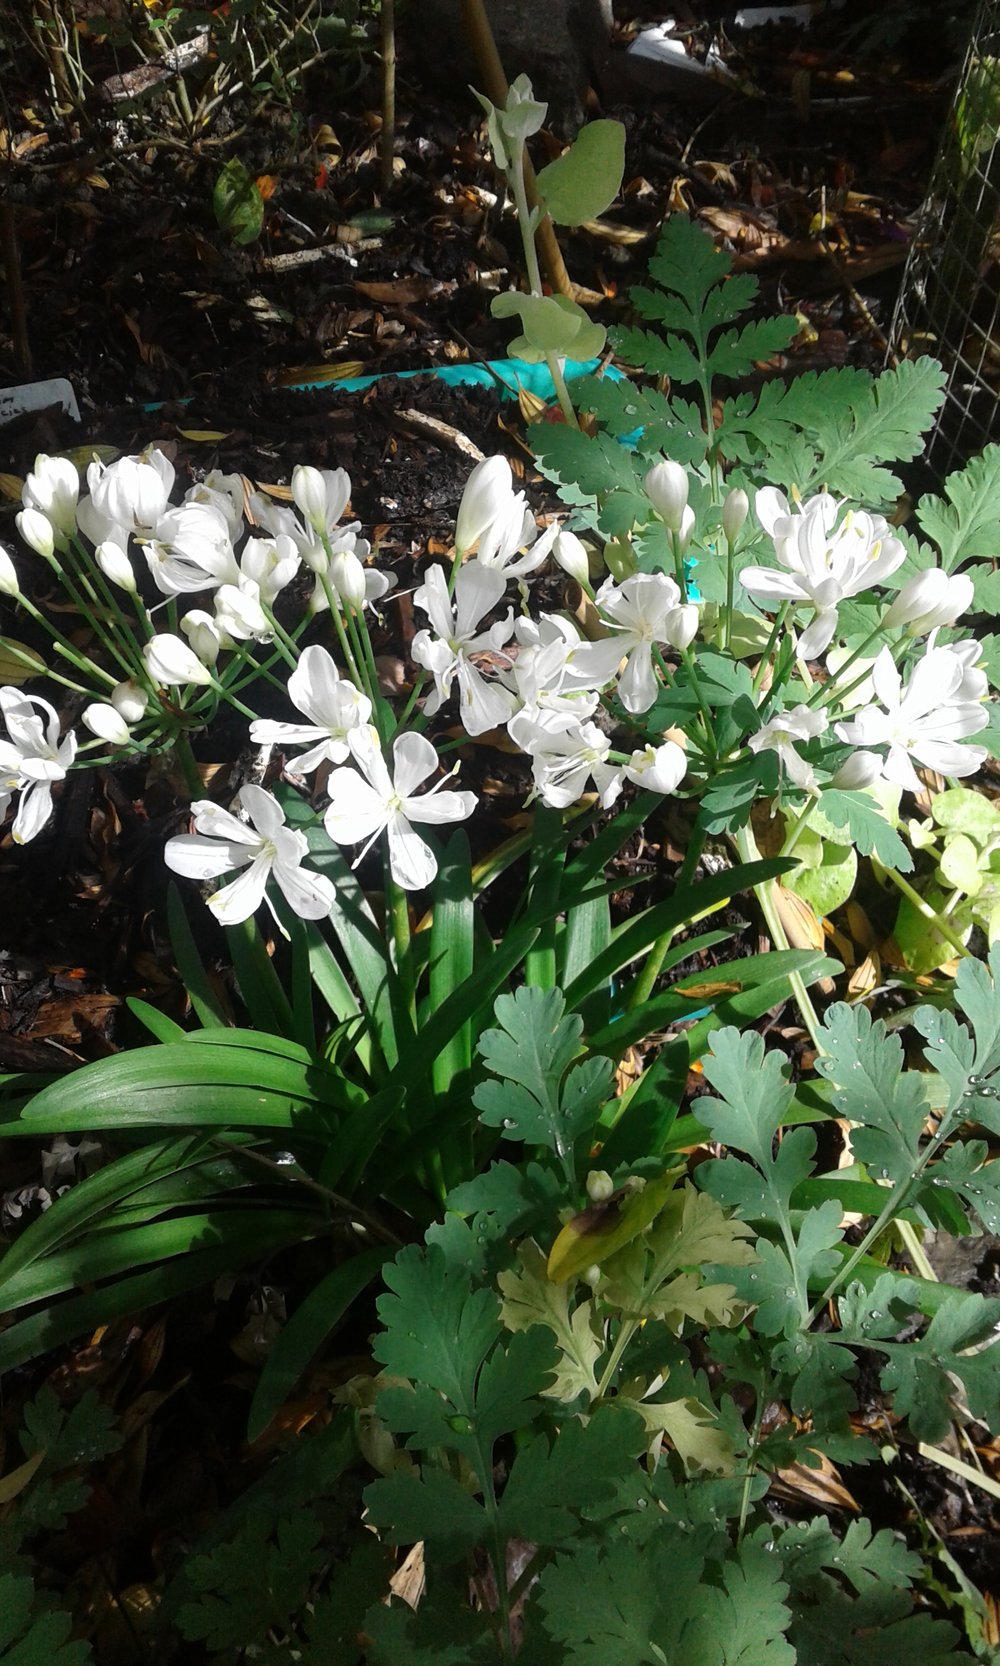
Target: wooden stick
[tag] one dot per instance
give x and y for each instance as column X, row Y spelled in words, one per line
column 495, row 85
column 388, row 137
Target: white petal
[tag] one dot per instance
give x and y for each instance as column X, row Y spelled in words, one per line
column 412, row 862
column 263, row 809
column 482, row 705
column 356, row 811
column 638, row 685
column 414, row 760
column 197, row 856
column 440, row 807
column 32, row 812
column 217, row 823
column 237, row 901
column 818, row 634
column 309, row 895
column 477, row 590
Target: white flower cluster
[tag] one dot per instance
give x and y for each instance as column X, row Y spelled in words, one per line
column 537, row 677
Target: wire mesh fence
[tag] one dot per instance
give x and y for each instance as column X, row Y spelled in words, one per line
column 949, row 301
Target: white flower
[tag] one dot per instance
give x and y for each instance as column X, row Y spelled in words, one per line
column 129, row 700
column 270, row 564
column 239, row 615
column 321, row 495
column 8, row 575
column 487, row 491
column 929, row 600
column 112, row 558
column 363, row 806
column 132, row 492
column 861, row 769
column 191, row 550
column 37, row 531
column 563, row 760
column 106, row 722
column 171, row 661
column 823, row 563
column 781, row 734
column 223, row 492
column 544, row 676
column 204, row 634
column 53, row 488
column 734, row 512
column 31, row 758
column 659, row 769
column 482, row 705
column 570, row 553
column 666, row 487
column 264, row 846
column 647, row 609
column 331, row 703
column 924, row 721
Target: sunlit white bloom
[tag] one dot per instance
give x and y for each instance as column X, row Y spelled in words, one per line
column 239, row 615
column 929, row 600
column 515, row 529
column 645, row 610
column 53, row 488
column 332, row 705
column 564, row 760
column 447, row 654
column 660, row 769
column 204, row 634
column 264, row 846
column 112, row 558
column 104, row 721
column 132, row 492
column 8, row 575
column 270, row 564
column 171, row 661
column 975, row 683
column 347, row 575
column 488, row 490
column 820, row 563
column 924, row 721
column 667, row 487
column 129, row 700
column 224, row 493
column 37, row 531
column 32, row 758
column 783, row 733
column 364, row 805
column 544, row 680
column 321, row 495
column 191, row 550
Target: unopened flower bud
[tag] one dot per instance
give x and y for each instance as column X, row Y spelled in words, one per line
column 106, row 723
column 620, row 560
column 8, row 574
column 348, row 578
column 928, row 600
column 667, row 489
column 36, row 530
column 734, row 513
column 203, row 633
column 129, row 700
column 115, row 565
column 571, row 555
column 599, row 1186
column 680, row 626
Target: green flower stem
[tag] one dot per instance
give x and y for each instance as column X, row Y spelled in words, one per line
column 923, row 907
column 706, row 714
column 399, row 910
column 189, row 767
column 826, row 691
column 338, row 624
column 526, row 223
column 765, row 658
column 227, row 694
column 727, row 618
column 37, row 670
column 746, row 846
column 286, row 648
column 679, row 573
column 63, row 645
column 799, row 827
column 645, row 982
column 81, row 590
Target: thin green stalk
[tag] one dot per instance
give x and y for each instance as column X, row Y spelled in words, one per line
column 338, row 624
column 64, row 646
column 826, row 691
column 706, row 714
column 799, row 827
column 526, row 222
column 765, row 658
column 923, row 907
column 746, row 846
column 679, row 568
column 645, row 981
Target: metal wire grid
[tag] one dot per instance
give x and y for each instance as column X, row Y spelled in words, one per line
column 949, row 300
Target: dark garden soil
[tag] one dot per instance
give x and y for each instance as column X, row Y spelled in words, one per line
column 171, row 335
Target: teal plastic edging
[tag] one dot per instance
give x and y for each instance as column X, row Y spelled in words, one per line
column 510, row 373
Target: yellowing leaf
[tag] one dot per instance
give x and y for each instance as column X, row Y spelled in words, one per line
column 18, row 662
column 530, row 1298
column 203, row 436
column 691, row 1430
column 10, row 487
column 590, row 1237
